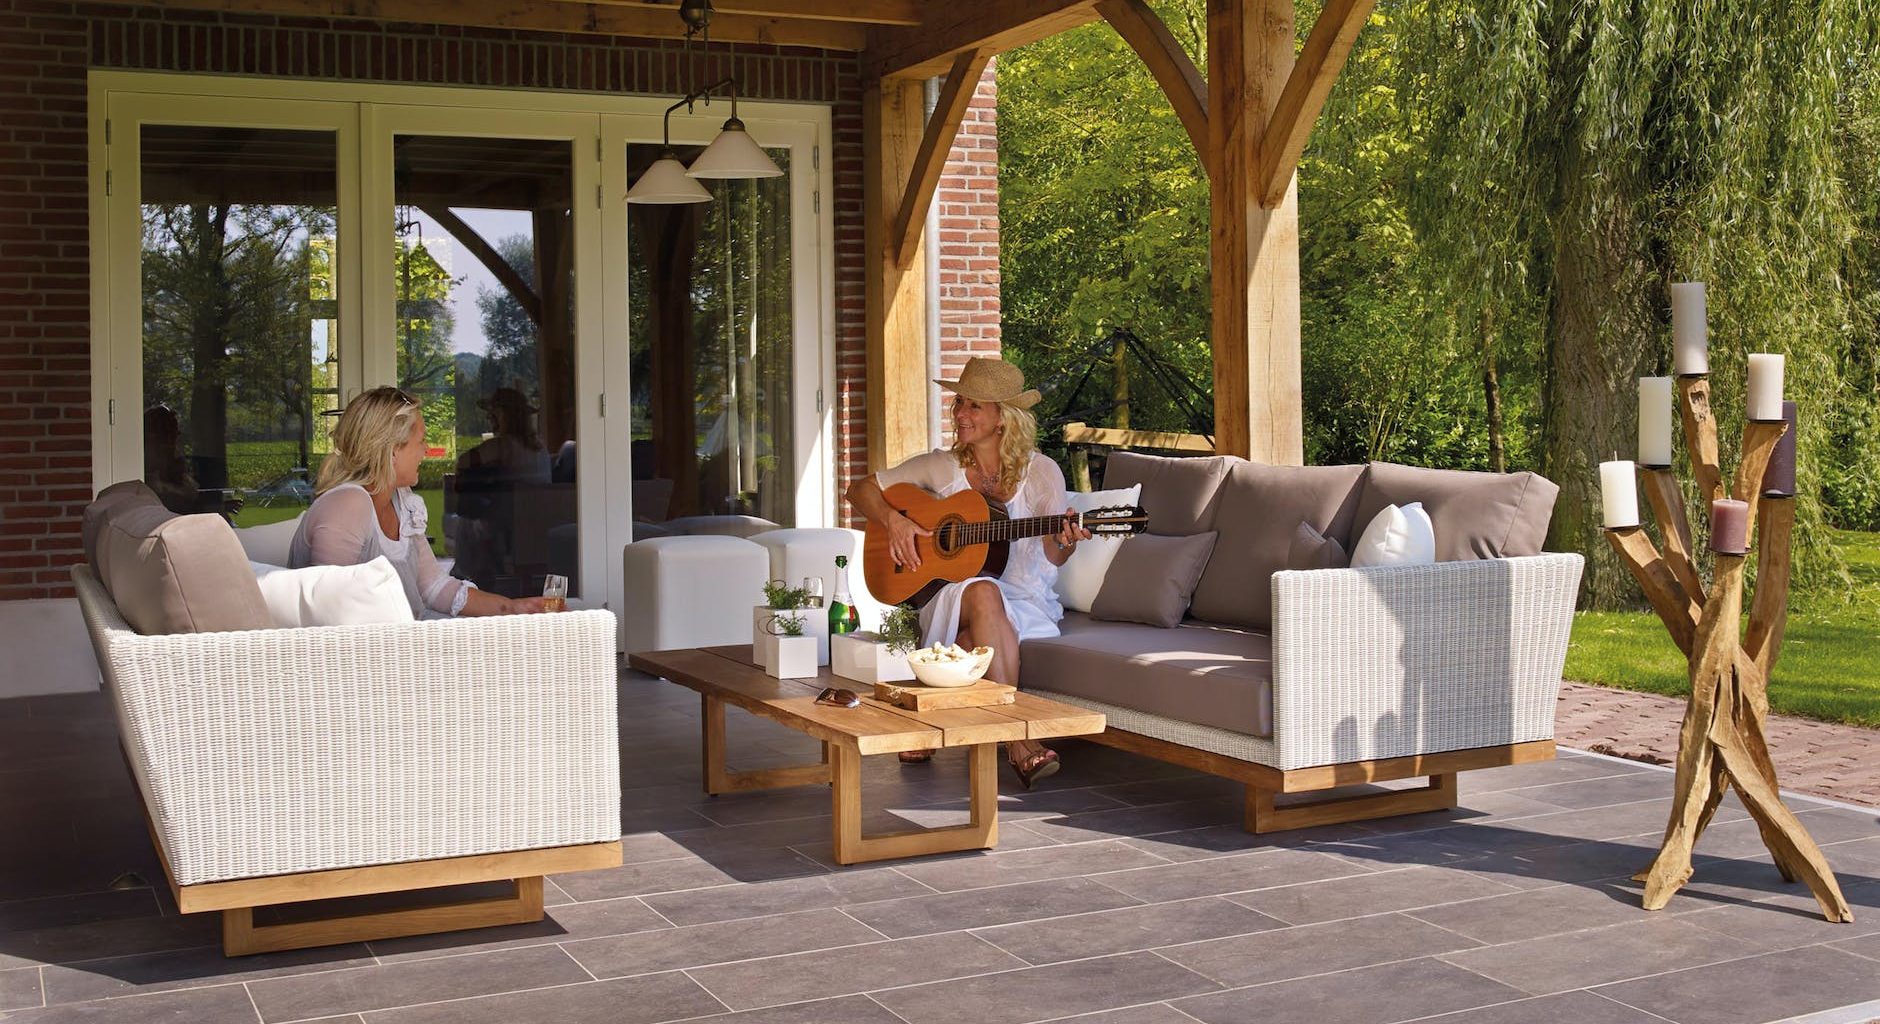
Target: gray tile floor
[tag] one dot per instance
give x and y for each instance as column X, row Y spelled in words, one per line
column 1123, row 891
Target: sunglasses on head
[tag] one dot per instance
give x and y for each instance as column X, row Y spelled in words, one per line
column 839, row 698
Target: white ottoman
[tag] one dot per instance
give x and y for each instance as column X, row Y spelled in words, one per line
column 694, row 591
column 812, row 551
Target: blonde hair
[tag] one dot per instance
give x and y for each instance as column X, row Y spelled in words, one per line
column 368, row 432
column 1018, row 439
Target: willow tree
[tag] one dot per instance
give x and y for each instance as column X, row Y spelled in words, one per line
column 1587, row 154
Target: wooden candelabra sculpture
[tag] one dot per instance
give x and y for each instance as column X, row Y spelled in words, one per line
column 1721, row 743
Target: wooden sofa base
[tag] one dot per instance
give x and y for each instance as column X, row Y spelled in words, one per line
column 1264, row 782
column 238, row 900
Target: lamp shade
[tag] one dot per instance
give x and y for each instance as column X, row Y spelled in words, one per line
column 734, row 154
column 666, row 182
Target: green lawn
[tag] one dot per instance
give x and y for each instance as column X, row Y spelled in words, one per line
column 1830, row 667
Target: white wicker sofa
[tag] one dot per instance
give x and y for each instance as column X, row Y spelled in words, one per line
column 1296, row 681
column 288, row 765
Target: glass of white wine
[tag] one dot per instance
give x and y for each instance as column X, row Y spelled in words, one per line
column 555, row 593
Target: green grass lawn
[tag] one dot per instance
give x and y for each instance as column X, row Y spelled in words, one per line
column 1830, row 666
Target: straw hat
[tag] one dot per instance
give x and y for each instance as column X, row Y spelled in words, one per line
column 989, row 379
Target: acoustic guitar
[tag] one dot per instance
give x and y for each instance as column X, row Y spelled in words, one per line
column 971, row 537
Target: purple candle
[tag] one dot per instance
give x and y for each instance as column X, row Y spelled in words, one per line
column 1779, row 478
column 1729, row 526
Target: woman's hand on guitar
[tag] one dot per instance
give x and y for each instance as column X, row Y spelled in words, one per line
column 1071, row 531
column 902, row 532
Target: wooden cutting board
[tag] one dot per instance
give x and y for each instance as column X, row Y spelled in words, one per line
column 937, row 698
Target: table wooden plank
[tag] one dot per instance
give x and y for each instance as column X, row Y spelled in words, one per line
column 789, row 702
column 964, row 727
column 1046, row 719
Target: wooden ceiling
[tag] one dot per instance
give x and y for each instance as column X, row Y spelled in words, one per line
column 893, row 38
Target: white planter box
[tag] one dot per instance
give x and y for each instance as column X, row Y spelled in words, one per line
column 865, row 659
column 815, row 624
column 789, row 657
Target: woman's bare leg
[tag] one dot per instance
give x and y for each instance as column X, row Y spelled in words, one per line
column 984, row 623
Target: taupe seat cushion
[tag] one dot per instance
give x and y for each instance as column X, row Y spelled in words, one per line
column 168, row 573
column 1476, row 515
column 1258, row 510
column 1199, row 673
column 1178, row 494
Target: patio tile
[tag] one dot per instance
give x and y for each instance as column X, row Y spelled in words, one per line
column 1139, row 821
column 1812, row 979
column 1537, row 912
column 685, row 873
column 19, row 988
column 1126, row 930
column 375, row 988
column 1566, row 766
column 645, row 1000
column 1826, row 826
column 851, row 969
column 1315, row 949
column 1149, row 1013
column 1045, row 803
column 1260, row 870
column 979, row 908
column 1565, row 1008
column 1603, row 792
column 1041, row 993
column 789, row 894
column 723, row 942
column 224, row 1004
column 843, row 1010
column 1368, row 995
column 1867, row 946
column 1478, row 808
column 1794, row 919
column 80, row 908
column 1375, row 893
column 1002, row 867
column 94, row 939
column 1163, row 791
column 1577, row 862
column 562, row 924
column 1557, row 963
column 189, row 968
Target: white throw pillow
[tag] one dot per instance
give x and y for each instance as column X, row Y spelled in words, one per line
column 1399, row 535
column 333, row 595
column 1081, row 576
column 268, row 543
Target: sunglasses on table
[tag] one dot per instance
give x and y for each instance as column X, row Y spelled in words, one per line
column 839, row 698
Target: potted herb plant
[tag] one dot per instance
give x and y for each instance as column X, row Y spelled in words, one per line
column 786, row 650
column 879, row 656
column 780, row 596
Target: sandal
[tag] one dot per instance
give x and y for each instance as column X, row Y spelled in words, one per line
column 1041, row 765
column 916, row 756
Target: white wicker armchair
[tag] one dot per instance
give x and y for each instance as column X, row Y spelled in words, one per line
column 286, row 765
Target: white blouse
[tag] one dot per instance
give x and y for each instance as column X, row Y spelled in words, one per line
column 342, row 528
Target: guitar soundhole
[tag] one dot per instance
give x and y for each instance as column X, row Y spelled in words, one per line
column 946, row 537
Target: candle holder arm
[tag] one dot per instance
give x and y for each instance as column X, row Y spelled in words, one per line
column 1667, row 595
column 1667, row 501
column 1700, row 435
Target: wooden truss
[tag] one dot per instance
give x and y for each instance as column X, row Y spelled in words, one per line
column 1722, row 743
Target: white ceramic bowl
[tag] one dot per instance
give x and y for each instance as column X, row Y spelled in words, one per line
column 950, row 673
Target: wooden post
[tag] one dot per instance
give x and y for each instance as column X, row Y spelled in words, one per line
column 1721, row 742
column 896, row 292
column 1253, row 248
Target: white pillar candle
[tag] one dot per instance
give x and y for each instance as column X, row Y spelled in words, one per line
column 1690, row 352
column 1654, row 421
column 1765, row 386
column 1618, row 492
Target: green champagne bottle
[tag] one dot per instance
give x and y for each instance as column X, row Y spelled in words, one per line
column 843, row 618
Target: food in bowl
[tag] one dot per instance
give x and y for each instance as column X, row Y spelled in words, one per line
column 949, row 664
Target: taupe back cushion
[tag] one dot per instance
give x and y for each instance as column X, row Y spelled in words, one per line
column 117, row 497
column 1178, row 494
column 172, row 574
column 1258, row 510
column 1476, row 515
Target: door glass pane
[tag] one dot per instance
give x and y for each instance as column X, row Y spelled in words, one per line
column 485, row 331
column 240, row 330
column 710, row 330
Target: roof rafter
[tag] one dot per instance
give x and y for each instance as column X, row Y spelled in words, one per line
column 991, row 26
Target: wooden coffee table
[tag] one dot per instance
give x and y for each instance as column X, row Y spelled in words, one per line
column 727, row 676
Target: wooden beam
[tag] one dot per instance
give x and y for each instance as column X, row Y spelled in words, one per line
column 577, row 17
column 993, row 26
column 935, row 143
column 873, row 12
column 1173, row 69
column 492, row 261
column 1112, row 437
column 1253, row 249
column 895, row 306
column 1320, row 61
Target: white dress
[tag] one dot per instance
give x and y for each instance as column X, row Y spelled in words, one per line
column 342, row 528
column 1029, row 582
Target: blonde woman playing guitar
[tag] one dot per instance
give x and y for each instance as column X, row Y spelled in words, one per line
column 995, row 454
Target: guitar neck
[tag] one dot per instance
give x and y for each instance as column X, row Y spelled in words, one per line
column 999, row 530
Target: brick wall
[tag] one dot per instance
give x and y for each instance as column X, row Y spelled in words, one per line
column 969, row 240
column 45, row 381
